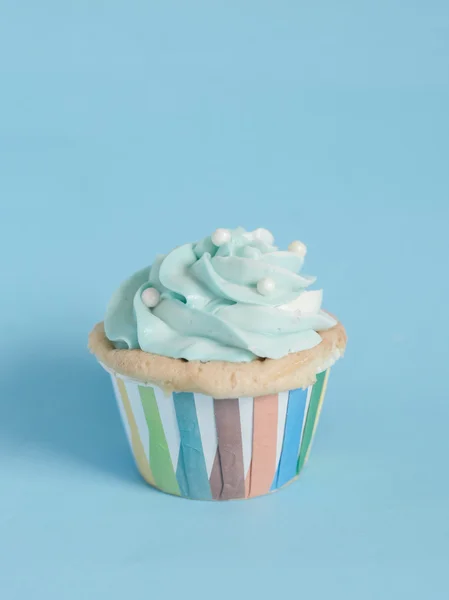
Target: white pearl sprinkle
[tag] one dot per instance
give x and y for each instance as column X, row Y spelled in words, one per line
column 298, row 248
column 264, row 236
column 266, row 286
column 150, row 297
column 220, row 237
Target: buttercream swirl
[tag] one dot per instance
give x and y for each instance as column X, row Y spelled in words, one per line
column 210, row 308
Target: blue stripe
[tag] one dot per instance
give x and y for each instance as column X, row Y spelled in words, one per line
column 181, row 476
column 292, row 437
column 274, row 485
column 191, row 464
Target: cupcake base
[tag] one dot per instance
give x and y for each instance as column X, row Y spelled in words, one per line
column 198, row 447
column 221, row 379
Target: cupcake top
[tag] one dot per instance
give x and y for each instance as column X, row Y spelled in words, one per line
column 233, row 296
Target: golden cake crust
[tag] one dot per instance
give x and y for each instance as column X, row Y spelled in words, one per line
column 221, row 379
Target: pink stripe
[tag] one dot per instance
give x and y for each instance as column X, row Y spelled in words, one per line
column 248, row 482
column 263, row 464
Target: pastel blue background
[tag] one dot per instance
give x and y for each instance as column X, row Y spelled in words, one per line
column 129, row 127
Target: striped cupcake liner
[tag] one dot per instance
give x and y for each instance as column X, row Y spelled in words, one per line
column 198, row 447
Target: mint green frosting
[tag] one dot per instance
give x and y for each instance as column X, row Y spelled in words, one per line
column 210, row 308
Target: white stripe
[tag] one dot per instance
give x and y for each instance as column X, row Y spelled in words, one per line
column 121, row 409
column 139, row 415
column 282, row 414
column 309, row 393
column 167, row 414
column 208, row 430
column 246, row 406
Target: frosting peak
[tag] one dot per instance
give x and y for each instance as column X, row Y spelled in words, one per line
column 232, row 296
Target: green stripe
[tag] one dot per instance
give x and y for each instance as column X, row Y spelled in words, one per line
column 160, row 459
column 310, row 419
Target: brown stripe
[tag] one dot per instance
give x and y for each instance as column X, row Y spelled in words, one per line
column 215, row 480
column 263, row 462
column 227, row 419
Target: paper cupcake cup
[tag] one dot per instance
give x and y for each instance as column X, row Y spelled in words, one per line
column 198, row 447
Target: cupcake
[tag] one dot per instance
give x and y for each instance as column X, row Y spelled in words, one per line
column 219, row 356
